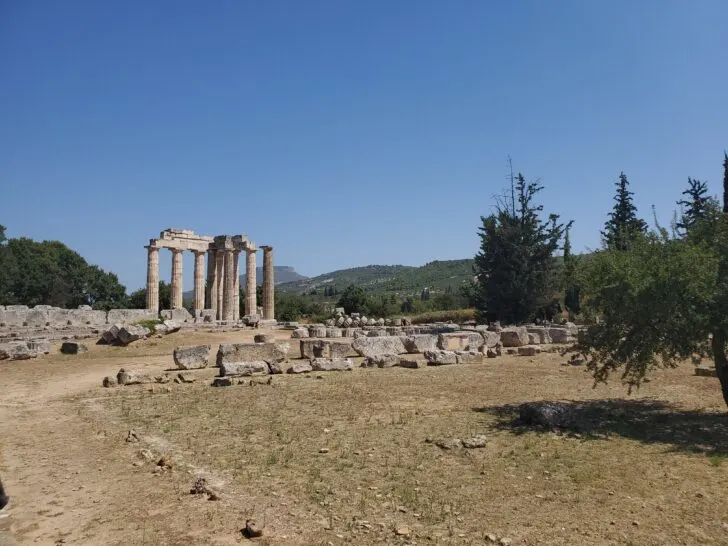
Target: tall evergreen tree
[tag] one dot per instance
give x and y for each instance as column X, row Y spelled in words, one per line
column 697, row 205
column 514, row 265
column 623, row 224
column 572, row 289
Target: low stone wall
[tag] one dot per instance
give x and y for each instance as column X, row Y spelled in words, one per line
column 19, row 316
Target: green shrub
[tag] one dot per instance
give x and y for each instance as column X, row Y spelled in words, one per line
column 456, row 315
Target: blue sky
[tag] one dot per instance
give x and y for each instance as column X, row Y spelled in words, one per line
column 347, row 133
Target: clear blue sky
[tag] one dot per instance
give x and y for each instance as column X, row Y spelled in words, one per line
column 347, row 133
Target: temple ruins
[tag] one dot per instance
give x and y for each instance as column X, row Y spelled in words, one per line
column 221, row 294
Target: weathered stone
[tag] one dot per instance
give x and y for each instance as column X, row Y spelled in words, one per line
column 324, row 348
column 440, row 358
column 110, row 381
column 186, row 377
column 16, row 350
column 331, row 364
column 244, row 368
column 275, row 367
column 40, row 346
column 491, row 352
column 171, row 326
column 129, row 333
column 541, row 332
column 317, row 331
column 299, row 333
column 475, row 442
column 130, row 377
column 514, row 336
column 191, row 357
column 251, row 352
column 533, row 339
column 109, row 336
column 264, row 338
column 528, row 350
column 300, row 367
column 412, row 363
column 377, row 332
column 704, row 371
column 73, row 348
column 126, row 316
column 223, row 382
column 375, row 346
column 381, row 361
column 563, row 334
column 333, row 332
column 469, row 357
column 547, row 415
column 420, row 343
column 460, row 341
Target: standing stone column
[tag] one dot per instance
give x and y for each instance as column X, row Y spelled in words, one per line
column 229, row 296
column 251, row 305
column 268, row 284
column 236, row 289
column 199, row 280
column 211, row 288
column 176, row 298
column 152, row 279
column 220, row 273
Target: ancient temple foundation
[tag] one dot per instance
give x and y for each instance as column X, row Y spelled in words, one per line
column 221, row 293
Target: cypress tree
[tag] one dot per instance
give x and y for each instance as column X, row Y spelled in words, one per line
column 623, row 224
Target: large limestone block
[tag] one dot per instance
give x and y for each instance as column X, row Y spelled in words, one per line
column 73, row 348
column 252, row 352
column 491, row 338
column 82, row 317
column 469, row 357
column 375, row 346
column 59, row 317
column 16, row 350
column 541, row 333
column 440, row 358
column 514, row 336
column 39, row 346
column 131, row 377
column 461, row 341
column 244, row 368
column 191, row 357
column 14, row 315
column 300, row 367
column 419, row 343
column 38, row 316
column 331, row 364
column 564, row 334
column 381, row 361
column 299, row 333
column 317, row 331
column 325, row 348
column 126, row 316
column 129, row 333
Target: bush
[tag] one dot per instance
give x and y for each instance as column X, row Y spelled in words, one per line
column 149, row 324
column 457, row 315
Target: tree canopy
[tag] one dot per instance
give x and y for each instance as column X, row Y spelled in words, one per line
column 623, row 224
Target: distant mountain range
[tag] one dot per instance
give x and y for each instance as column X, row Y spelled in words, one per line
column 401, row 279
column 282, row 274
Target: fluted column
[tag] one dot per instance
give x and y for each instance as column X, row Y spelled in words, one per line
column 199, row 280
column 152, row 279
column 211, row 288
column 236, row 288
column 220, row 274
column 251, row 304
column 268, row 284
column 228, row 294
column 176, row 298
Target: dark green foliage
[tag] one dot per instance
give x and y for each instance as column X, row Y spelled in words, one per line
column 696, row 206
column 354, row 300
column 623, row 224
column 515, row 265
column 572, row 290
column 49, row 273
column 138, row 298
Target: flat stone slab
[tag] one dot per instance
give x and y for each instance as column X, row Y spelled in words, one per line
column 514, row 336
column 73, row 348
column 300, row 367
column 703, row 371
column 244, row 368
column 381, row 361
column 419, row 343
column 130, row 377
column 461, row 341
column 377, row 346
column 412, row 363
column 326, row 348
column 252, row 352
column 191, row 357
column 332, row 364
column 441, row 358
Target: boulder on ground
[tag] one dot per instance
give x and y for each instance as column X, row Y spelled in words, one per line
column 528, row 350
column 440, row 358
column 704, row 371
column 264, row 338
column 381, row 361
column 420, row 343
column 129, row 333
column 514, row 336
column 223, row 382
column 110, row 381
column 109, row 336
column 73, row 348
column 130, row 377
column 40, row 346
column 411, row 363
column 564, row 334
column 541, row 333
column 460, row 341
column 300, row 367
column 299, row 333
column 16, row 350
column 244, row 368
column 376, row 346
column 317, row 331
column 331, row 364
column 191, row 357
column 251, row 352
column 469, row 357
column 167, row 327
column 333, row 332
column 545, row 415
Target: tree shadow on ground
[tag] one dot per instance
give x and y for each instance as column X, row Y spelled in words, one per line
column 647, row 421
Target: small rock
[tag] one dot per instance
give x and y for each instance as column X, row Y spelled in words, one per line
column 505, row 541
column 132, row 437
column 146, row 454
column 475, row 442
column 252, row 530
column 324, row 450
column 402, row 531
column 164, row 462
column 448, row 443
column 490, row 537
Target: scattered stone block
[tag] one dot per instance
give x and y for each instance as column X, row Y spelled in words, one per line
column 376, row 346
column 251, row 352
column 16, row 350
column 460, row 341
column 129, row 333
column 411, row 363
column 514, row 336
column 469, row 357
column 440, row 358
column 110, row 381
column 333, row 332
column 528, row 350
column 223, row 382
column 704, row 371
column 381, row 361
column 300, row 367
column 130, row 377
column 331, row 364
column 244, row 368
column 186, row 378
column 420, row 343
column 299, row 333
column 191, row 357
column 317, row 331
column 40, row 346
column 264, row 338
column 73, row 348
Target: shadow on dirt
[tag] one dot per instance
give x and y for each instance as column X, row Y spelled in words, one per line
column 647, row 421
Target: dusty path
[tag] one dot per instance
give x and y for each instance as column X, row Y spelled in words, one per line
column 72, row 477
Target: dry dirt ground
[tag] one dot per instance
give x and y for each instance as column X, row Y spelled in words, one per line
column 341, row 457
